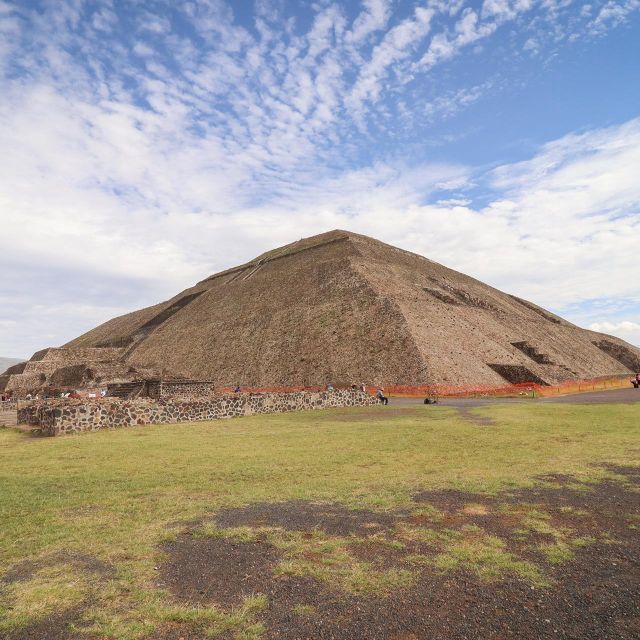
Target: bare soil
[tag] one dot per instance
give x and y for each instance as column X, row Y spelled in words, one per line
column 56, row 627
column 59, row 626
column 298, row 515
column 217, row 570
column 594, row 596
column 27, row 568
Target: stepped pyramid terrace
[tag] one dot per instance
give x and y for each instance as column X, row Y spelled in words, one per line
column 334, row 308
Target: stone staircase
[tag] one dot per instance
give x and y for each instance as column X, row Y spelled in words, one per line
column 125, row 390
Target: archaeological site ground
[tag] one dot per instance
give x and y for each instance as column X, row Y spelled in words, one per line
column 508, row 509
column 515, row 519
column 236, row 404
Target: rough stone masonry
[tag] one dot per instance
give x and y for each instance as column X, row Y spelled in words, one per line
column 61, row 417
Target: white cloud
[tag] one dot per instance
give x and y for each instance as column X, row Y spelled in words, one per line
column 374, row 17
column 612, row 14
column 5, row 8
column 453, row 102
column 155, row 24
column 104, row 20
column 396, row 45
column 625, row 326
column 121, row 184
column 625, row 329
column 505, row 9
column 470, row 28
column 564, row 229
column 467, row 30
column 574, row 214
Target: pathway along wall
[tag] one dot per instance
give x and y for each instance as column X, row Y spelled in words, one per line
column 54, row 418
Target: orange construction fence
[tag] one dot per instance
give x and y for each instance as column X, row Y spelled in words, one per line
column 530, row 389
column 523, row 389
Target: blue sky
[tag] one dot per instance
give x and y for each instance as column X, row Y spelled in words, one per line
column 146, row 145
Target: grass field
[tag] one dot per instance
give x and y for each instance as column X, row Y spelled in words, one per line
column 87, row 520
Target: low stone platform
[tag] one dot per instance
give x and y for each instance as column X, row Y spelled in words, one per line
column 74, row 416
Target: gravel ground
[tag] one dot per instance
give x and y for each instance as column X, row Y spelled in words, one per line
column 612, row 396
column 594, row 596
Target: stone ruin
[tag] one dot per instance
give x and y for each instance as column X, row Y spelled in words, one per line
column 54, row 370
column 158, row 389
column 58, row 417
column 341, row 307
column 334, row 308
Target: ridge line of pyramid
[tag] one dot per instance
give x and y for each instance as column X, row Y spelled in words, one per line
column 375, row 287
column 305, row 244
column 277, row 254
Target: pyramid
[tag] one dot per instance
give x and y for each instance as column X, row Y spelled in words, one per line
column 341, row 307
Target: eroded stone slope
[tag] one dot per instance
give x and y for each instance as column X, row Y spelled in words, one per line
column 340, row 307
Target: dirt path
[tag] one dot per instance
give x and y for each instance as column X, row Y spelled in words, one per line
column 612, row 396
column 465, row 405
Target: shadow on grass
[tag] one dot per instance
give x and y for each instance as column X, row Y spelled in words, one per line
column 555, row 560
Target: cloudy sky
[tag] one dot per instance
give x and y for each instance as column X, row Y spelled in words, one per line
column 148, row 143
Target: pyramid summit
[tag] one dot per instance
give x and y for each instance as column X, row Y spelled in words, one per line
column 341, row 307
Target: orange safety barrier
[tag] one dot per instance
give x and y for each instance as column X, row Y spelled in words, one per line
column 523, row 389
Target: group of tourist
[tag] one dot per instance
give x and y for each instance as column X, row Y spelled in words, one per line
column 379, row 394
column 354, row 387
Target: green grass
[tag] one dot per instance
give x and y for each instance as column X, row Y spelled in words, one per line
column 48, row 591
column 116, row 495
column 486, row 555
column 304, row 609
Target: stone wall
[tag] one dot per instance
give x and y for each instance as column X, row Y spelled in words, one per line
column 180, row 389
column 41, row 415
column 60, row 417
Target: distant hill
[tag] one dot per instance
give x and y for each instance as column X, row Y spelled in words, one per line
column 5, row 363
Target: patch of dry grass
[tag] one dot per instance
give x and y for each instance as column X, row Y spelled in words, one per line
column 118, row 495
